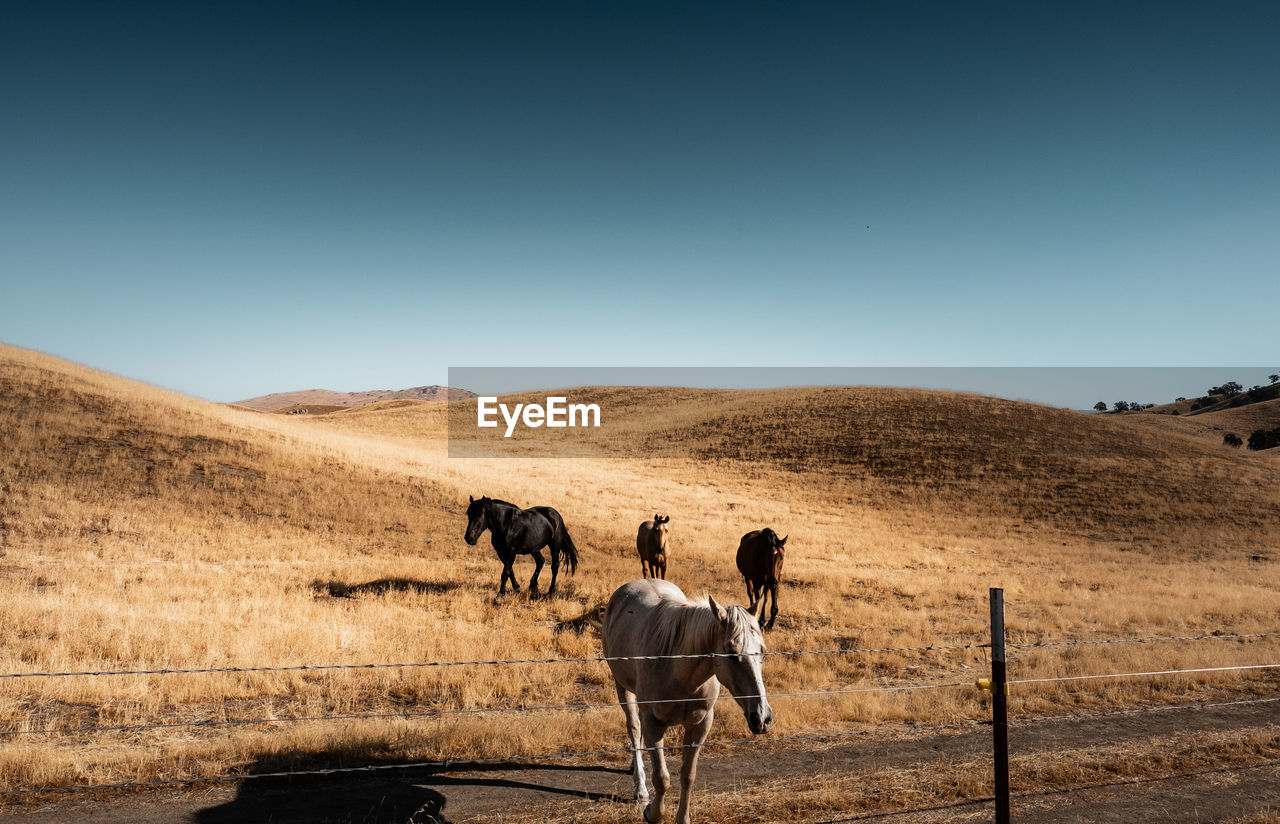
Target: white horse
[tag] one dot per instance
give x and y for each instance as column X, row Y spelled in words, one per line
column 652, row 617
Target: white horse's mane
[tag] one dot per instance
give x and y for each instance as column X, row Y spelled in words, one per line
column 690, row 628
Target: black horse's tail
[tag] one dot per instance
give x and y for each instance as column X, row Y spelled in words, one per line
column 565, row 544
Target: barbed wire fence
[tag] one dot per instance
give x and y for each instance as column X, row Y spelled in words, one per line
column 999, row 686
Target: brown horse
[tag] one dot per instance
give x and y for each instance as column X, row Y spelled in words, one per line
column 760, row 557
column 651, row 543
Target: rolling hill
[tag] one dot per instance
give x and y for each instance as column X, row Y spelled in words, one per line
column 329, row 400
column 143, row 529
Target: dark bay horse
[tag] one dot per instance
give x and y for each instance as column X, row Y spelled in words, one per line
column 716, row 645
column 515, row 531
column 760, row 557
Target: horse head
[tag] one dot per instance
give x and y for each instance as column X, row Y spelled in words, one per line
column 771, row 538
column 476, row 522
column 739, row 650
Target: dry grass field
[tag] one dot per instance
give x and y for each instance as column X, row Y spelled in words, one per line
column 144, row 530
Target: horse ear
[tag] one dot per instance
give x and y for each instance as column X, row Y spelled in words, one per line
column 755, row 609
column 719, row 611
column 783, row 540
column 473, row 500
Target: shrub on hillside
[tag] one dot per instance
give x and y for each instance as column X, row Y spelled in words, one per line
column 1232, row 439
column 1264, row 439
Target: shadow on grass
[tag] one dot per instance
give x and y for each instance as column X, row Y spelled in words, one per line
column 390, row 794
column 382, row 586
column 350, row 799
column 592, row 619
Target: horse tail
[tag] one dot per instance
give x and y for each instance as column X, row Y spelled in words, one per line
column 564, row 544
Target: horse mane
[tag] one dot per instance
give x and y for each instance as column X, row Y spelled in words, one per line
column 690, row 628
column 480, row 502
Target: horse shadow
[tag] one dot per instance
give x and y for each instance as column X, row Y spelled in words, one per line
column 413, row 795
column 382, row 586
column 328, row 799
column 592, row 620
column 472, row 779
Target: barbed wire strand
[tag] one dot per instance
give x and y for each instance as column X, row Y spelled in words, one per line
column 406, row 714
column 1155, row 779
column 493, row 662
column 1204, row 705
column 1141, row 674
column 1150, row 640
column 581, row 707
column 443, row 765
column 954, row 805
column 595, row 659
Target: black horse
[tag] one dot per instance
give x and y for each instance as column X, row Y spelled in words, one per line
column 515, row 531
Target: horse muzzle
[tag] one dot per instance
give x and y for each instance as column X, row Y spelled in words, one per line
column 470, row 540
column 758, row 722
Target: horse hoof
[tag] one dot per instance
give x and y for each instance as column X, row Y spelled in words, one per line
column 657, row 814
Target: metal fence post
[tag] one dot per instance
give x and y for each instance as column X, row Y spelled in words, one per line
column 999, row 706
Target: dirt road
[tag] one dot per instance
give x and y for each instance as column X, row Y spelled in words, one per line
column 559, row 791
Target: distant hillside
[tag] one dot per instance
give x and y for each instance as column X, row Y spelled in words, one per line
column 1231, row 395
column 1093, row 475
column 308, row 398
column 1209, row 417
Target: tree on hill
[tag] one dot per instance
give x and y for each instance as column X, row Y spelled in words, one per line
column 1274, row 378
column 1121, row 406
column 1100, row 406
column 1230, row 389
column 1232, row 439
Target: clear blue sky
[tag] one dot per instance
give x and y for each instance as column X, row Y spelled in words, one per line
column 230, row 199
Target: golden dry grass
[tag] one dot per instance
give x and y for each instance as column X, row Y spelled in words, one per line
column 141, row 529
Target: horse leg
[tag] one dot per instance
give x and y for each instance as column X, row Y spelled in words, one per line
column 653, row 731
column 632, row 712
column 502, row 579
column 537, row 570
column 751, row 593
column 555, row 571
column 508, row 574
column 662, row 568
column 694, row 736
column 644, row 567
column 773, row 607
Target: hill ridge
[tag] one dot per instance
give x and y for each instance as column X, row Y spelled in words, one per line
column 329, row 397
